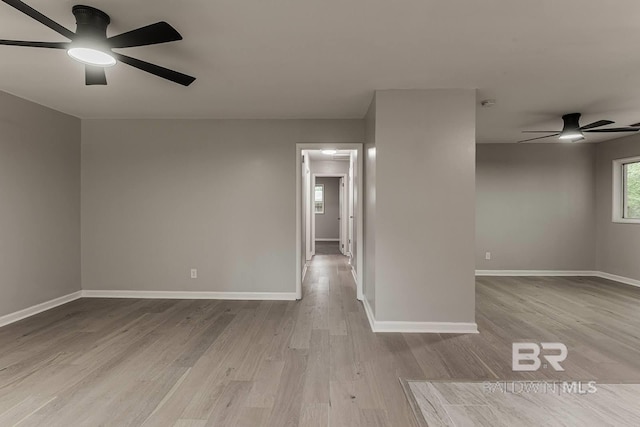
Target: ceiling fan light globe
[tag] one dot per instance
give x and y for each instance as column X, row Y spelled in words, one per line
column 90, row 56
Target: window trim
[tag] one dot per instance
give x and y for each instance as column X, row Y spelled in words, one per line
column 619, row 189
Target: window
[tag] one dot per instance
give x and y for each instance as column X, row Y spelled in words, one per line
column 626, row 190
column 319, row 198
column 632, row 190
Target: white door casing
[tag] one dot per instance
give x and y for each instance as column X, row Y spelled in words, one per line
column 358, row 242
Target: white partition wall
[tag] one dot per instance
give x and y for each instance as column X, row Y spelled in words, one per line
column 424, row 209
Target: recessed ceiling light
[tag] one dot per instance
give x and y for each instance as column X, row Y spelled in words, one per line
column 93, row 57
column 329, row 152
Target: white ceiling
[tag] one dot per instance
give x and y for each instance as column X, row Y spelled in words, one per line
column 324, row 59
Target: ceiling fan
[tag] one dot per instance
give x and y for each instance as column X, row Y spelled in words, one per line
column 91, row 46
column 573, row 132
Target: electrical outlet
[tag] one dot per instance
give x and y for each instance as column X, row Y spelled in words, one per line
column 194, row 273
column 487, row 256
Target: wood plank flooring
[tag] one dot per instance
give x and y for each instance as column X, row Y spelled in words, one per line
column 327, row 248
column 310, row 363
column 472, row 404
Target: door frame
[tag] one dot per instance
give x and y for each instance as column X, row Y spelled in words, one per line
column 342, row 233
column 350, row 211
column 358, row 187
column 307, row 213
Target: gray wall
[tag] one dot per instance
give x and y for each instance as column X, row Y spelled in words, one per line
column 369, row 209
column 618, row 245
column 425, row 205
column 327, row 224
column 39, row 204
column 338, row 167
column 161, row 197
column 535, row 206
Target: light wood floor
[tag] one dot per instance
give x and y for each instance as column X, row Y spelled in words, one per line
column 452, row 404
column 327, row 248
column 312, row 363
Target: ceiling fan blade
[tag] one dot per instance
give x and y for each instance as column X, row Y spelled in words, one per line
column 28, row 10
column 540, row 137
column 95, row 76
column 156, row 70
column 540, row 131
column 46, row 45
column 160, row 32
column 614, row 130
column 597, row 124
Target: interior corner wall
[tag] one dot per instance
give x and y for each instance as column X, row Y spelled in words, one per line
column 536, row 207
column 160, row 197
column 618, row 245
column 425, row 205
column 39, row 204
column 369, row 207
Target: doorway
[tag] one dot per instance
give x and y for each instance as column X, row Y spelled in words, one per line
column 329, row 226
column 329, row 207
column 328, row 202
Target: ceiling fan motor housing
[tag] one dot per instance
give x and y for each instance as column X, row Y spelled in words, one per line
column 571, row 122
column 91, row 23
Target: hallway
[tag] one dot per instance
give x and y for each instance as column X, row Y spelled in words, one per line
column 353, row 373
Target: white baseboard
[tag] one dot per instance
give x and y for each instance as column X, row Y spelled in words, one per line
column 427, row 327
column 531, row 273
column 304, row 271
column 369, row 311
column 559, row 273
column 354, row 274
column 359, row 295
column 376, row 326
column 327, row 240
column 39, row 308
column 48, row 305
column 418, row 327
column 245, row 296
column 621, row 279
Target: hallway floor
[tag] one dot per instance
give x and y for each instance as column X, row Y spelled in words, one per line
column 328, row 248
column 309, row 363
